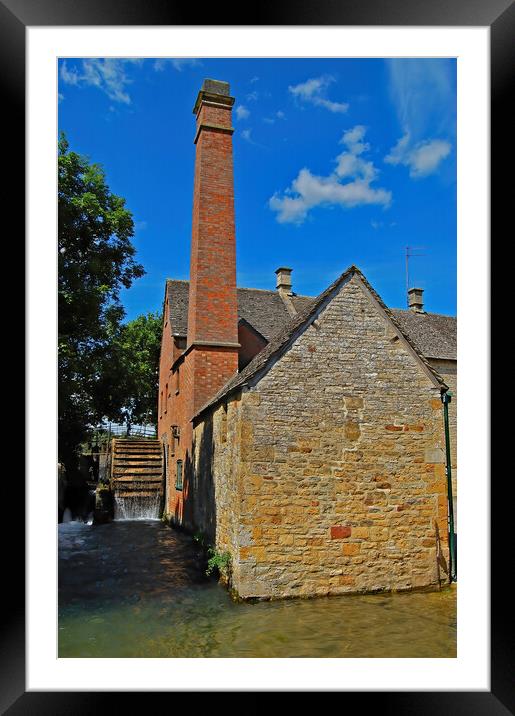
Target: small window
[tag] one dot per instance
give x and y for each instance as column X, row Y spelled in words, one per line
column 166, row 398
column 177, row 382
column 178, row 481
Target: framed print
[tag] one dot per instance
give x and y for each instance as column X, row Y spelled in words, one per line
column 46, row 46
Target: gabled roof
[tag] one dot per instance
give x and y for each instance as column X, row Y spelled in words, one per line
column 433, row 333
column 280, row 342
column 264, row 310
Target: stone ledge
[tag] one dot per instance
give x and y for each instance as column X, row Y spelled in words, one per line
column 214, row 99
column 214, row 127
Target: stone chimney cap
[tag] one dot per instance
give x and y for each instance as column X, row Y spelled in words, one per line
column 216, row 87
column 283, row 279
column 415, row 300
column 214, row 91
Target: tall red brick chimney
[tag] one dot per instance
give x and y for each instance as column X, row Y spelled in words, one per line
column 213, row 309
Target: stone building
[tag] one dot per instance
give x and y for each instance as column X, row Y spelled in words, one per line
column 303, row 435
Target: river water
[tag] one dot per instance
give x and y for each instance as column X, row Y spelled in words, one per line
column 138, row 589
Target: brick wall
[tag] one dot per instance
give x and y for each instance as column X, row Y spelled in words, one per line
column 211, row 355
column 171, row 411
column 213, row 309
column 251, row 343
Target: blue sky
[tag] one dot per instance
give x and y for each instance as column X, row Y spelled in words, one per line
column 336, row 162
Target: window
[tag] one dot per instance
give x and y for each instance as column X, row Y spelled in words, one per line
column 166, row 398
column 178, row 480
column 177, row 381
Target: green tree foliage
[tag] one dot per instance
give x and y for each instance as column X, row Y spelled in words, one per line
column 137, row 347
column 96, row 260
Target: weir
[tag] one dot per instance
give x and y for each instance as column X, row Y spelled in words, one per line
column 137, row 478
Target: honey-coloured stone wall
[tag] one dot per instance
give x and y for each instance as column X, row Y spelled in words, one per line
column 329, row 471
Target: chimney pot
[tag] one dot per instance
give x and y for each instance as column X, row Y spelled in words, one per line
column 415, row 300
column 283, row 279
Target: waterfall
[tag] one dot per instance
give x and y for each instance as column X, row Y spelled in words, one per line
column 137, row 507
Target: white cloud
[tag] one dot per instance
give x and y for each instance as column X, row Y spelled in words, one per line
column 422, row 159
column 242, row 112
column 426, row 156
column 246, row 134
column 349, row 163
column 311, row 88
column 69, row 77
column 178, row 63
column 314, row 90
column 423, row 93
column 278, row 115
column 252, row 96
column 308, row 190
column 254, row 79
column 107, row 74
column 352, row 139
column 400, row 150
column 331, row 106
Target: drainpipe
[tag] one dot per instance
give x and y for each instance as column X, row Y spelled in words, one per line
column 446, row 399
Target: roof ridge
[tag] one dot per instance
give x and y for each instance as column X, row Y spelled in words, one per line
column 424, row 313
column 263, row 290
column 406, row 337
column 247, row 288
column 261, row 359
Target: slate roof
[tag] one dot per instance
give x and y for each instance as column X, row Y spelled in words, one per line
column 265, row 310
column 433, row 334
column 280, row 341
column 178, row 306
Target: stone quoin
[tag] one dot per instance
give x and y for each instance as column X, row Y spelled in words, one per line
column 302, row 435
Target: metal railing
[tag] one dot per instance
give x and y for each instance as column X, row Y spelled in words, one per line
column 106, row 432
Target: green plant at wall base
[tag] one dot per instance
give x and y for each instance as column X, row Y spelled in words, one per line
column 220, row 561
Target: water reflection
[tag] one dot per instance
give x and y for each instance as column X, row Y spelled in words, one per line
column 138, row 590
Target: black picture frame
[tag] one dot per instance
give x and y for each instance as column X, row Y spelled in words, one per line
column 499, row 15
